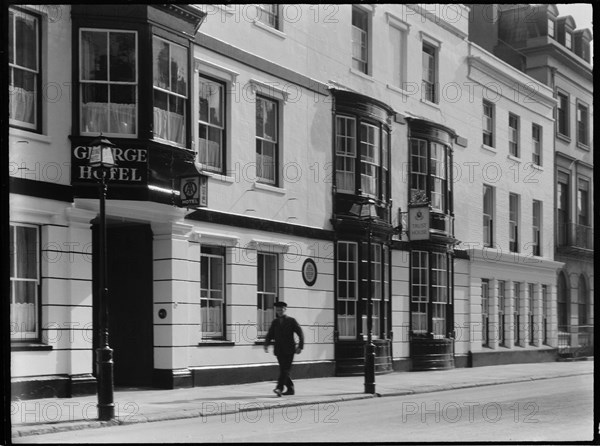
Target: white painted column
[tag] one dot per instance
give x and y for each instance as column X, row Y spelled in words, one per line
column 493, row 314
column 552, row 315
column 509, row 315
column 538, row 319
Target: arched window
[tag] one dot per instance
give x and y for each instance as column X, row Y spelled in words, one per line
column 583, row 301
column 563, row 302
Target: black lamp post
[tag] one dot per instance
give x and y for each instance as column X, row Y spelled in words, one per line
column 102, row 159
column 368, row 211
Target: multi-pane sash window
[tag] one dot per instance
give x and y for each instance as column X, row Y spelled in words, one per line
column 385, row 168
column 537, row 228
column 347, row 289
column 385, row 305
column 582, row 124
column 419, row 295
column 23, row 68
column 501, row 311
column 517, row 312
column 488, row 123
column 583, row 205
column 437, row 169
column 513, row 135
column 562, row 302
column 108, row 75
column 360, row 36
column 485, row 299
column 170, row 74
column 376, row 286
column 212, row 291
column 568, row 39
column 582, row 302
column 536, row 141
column 551, row 28
column 513, row 222
column 269, row 15
column 563, row 114
column 488, row 215
column 428, row 60
column 369, row 155
column 211, row 123
column 266, row 140
column 562, row 208
column 439, row 292
column 24, row 281
column 545, row 314
column 345, row 151
column 530, row 313
column 418, row 167
column 267, row 290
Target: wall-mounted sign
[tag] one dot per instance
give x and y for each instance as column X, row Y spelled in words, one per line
column 193, row 191
column 418, row 223
column 309, row 272
column 131, row 166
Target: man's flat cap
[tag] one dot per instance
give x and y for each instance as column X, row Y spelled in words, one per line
column 280, row 304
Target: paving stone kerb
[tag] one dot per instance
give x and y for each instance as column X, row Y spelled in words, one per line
column 34, row 417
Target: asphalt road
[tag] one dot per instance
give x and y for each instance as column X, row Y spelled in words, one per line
column 550, row 410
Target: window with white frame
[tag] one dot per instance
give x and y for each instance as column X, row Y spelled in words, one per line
column 501, row 312
column 439, row 292
column 489, row 210
column 360, row 39
column 545, row 314
column 269, row 15
column 212, row 292
column 267, row 288
column 536, row 142
column 369, row 155
column 24, row 281
column 108, row 76
column 437, row 170
column 170, row 80
column 345, row 151
column 562, row 125
column 551, row 28
column 530, row 307
column 267, row 117
column 376, row 291
column 211, row 124
column 419, row 295
column 429, row 65
column 385, row 165
column 488, row 123
column 517, row 312
column 347, row 289
column 23, row 69
column 513, row 222
column 398, row 48
column 485, row 300
column 582, row 124
column 418, row 167
column 537, row 228
column 568, row 39
column 513, row 135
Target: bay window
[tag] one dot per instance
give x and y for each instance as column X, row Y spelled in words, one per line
column 23, row 69
column 108, row 75
column 369, row 154
column 170, row 81
column 429, row 164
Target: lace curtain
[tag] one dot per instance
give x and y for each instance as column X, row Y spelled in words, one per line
column 22, row 317
column 169, row 125
column 210, row 153
column 111, row 118
column 22, row 105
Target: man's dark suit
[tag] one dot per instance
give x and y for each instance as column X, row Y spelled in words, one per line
column 282, row 331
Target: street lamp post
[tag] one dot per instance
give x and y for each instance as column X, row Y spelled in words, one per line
column 368, row 211
column 102, row 159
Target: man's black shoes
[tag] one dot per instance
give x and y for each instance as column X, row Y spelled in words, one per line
column 277, row 391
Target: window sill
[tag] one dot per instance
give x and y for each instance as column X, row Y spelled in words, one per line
column 431, row 104
column 565, row 138
column 268, row 188
column 489, row 148
column 514, row 158
column 219, row 176
column 216, row 343
column 269, row 29
column 21, row 133
column 398, row 90
column 583, row 146
column 29, row 347
column 536, row 167
column 362, row 75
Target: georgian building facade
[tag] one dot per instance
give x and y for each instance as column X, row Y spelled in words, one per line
column 322, row 146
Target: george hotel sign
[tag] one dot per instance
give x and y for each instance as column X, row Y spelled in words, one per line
column 418, row 223
column 131, row 166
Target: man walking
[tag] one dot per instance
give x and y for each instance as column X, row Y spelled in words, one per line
column 282, row 331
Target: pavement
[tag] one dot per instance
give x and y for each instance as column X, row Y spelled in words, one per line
column 43, row 416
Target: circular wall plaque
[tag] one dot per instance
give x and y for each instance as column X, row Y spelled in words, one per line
column 162, row 313
column 309, row 272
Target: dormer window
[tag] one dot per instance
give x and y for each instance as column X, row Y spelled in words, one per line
column 551, row 30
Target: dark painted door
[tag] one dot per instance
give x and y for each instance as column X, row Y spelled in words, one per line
column 129, row 280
